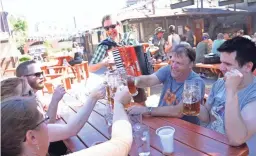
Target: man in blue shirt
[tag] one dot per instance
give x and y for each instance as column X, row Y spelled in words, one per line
column 230, row 108
column 172, row 77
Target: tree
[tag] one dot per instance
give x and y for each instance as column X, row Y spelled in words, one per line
column 20, row 26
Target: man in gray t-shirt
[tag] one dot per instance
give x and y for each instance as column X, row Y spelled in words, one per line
column 172, row 77
column 230, row 108
column 158, row 41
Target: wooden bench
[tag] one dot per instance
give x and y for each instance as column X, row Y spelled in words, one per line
column 10, row 70
column 159, row 65
column 50, row 84
column 214, row 68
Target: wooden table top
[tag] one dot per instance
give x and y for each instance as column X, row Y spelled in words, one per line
column 190, row 139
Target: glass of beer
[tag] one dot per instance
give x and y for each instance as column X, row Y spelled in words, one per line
column 192, row 97
column 131, row 81
column 131, row 85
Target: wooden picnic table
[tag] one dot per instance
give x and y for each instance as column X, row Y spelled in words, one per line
column 190, row 139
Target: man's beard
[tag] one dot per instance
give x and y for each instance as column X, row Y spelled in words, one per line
column 36, row 86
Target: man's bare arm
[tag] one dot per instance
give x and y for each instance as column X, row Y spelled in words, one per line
column 95, row 67
column 239, row 126
column 169, row 111
column 146, row 81
column 205, row 115
column 76, row 122
column 52, row 111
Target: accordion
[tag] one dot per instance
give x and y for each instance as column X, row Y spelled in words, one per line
column 135, row 57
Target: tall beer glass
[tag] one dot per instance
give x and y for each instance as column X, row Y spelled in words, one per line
column 131, row 82
column 192, row 97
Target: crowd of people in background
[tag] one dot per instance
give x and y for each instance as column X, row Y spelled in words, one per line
column 204, row 46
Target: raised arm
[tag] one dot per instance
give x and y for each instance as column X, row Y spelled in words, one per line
column 146, row 81
column 58, row 132
column 121, row 141
column 53, row 106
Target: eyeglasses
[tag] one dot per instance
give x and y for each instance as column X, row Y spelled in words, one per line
column 38, row 74
column 113, row 26
column 46, row 118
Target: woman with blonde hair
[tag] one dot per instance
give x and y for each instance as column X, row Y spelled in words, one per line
column 15, row 87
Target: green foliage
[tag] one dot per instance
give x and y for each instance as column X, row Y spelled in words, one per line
column 20, row 28
column 63, row 49
column 20, row 25
column 24, row 58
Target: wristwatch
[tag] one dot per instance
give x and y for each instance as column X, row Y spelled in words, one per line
column 150, row 110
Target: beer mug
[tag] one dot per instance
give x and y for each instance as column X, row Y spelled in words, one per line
column 131, row 85
column 131, row 81
column 111, row 82
column 192, row 97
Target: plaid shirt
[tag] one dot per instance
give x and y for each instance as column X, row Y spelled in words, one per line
column 100, row 53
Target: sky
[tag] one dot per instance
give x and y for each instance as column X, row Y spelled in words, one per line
column 86, row 12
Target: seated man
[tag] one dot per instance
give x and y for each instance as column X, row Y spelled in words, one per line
column 32, row 72
column 230, row 108
column 172, row 77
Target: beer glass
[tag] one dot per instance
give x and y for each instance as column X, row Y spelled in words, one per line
column 111, row 82
column 192, row 97
column 131, row 85
column 142, row 139
column 131, row 81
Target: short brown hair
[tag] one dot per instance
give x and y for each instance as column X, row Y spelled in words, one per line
column 18, row 115
column 9, row 87
column 188, row 26
column 106, row 17
column 188, row 51
column 22, row 69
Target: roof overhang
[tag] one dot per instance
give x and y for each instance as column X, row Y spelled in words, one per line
column 180, row 4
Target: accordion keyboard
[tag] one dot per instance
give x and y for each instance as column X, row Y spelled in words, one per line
column 118, row 59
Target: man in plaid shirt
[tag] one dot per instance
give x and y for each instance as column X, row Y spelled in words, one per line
column 99, row 59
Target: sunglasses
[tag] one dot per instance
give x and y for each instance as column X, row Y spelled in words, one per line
column 113, row 26
column 38, row 74
column 46, row 118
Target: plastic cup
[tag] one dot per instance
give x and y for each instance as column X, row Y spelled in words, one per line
column 166, row 135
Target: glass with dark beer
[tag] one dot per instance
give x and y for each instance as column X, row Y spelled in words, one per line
column 192, row 97
column 131, row 85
